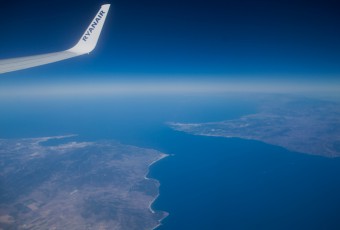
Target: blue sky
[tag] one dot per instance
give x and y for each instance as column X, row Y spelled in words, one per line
column 178, row 38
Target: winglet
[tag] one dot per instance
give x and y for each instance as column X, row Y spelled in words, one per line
column 89, row 40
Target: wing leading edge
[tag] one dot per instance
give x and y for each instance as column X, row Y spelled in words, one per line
column 86, row 44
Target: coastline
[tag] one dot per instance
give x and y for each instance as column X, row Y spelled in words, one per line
column 166, row 214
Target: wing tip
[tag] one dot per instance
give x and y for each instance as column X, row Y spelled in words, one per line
column 89, row 40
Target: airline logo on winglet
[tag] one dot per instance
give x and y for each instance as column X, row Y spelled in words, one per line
column 93, row 25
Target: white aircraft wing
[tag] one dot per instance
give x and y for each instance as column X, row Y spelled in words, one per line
column 86, row 44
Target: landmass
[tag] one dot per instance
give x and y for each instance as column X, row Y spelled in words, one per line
column 304, row 125
column 76, row 185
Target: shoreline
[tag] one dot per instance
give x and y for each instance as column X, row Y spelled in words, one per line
column 166, row 214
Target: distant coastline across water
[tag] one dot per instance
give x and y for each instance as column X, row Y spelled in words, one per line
column 246, row 183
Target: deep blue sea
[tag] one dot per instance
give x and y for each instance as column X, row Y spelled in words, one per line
column 208, row 182
column 218, row 183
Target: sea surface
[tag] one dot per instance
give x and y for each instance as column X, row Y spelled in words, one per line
column 207, row 182
column 219, row 183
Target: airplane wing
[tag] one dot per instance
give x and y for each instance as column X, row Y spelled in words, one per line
column 86, row 44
